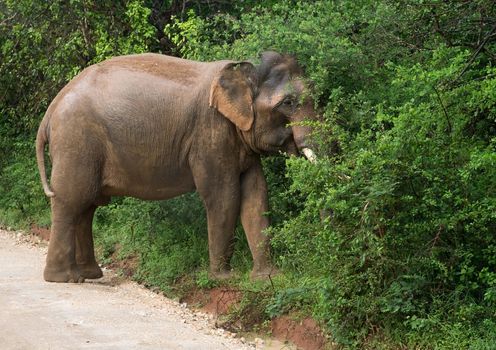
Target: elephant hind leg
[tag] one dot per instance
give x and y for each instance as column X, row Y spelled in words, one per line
column 85, row 254
column 75, row 182
column 60, row 263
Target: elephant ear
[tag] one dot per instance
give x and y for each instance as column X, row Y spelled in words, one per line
column 232, row 93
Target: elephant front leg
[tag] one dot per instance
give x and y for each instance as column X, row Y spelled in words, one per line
column 220, row 196
column 254, row 203
column 222, row 215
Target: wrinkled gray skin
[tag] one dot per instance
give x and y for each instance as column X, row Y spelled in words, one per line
column 154, row 127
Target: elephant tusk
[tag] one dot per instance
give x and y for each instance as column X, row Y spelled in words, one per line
column 309, row 154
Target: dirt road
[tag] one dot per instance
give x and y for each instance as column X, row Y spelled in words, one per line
column 101, row 314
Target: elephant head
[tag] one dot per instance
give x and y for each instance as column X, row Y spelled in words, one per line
column 267, row 103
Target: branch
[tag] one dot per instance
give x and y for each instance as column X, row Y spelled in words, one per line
column 475, row 54
column 444, row 110
column 437, row 27
column 6, row 20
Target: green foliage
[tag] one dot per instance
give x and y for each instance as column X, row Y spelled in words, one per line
column 22, row 201
column 168, row 237
column 203, row 280
column 288, row 299
column 411, row 217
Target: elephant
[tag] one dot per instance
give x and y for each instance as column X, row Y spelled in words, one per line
column 153, row 127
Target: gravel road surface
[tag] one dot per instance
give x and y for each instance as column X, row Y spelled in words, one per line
column 100, row 314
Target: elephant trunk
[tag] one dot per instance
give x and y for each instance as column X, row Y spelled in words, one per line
column 301, row 132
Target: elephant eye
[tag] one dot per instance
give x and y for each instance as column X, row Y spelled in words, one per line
column 287, row 105
column 288, row 102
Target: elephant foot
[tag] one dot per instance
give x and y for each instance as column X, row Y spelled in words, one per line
column 263, row 274
column 90, row 271
column 68, row 275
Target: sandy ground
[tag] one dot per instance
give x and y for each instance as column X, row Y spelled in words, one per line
column 101, row 314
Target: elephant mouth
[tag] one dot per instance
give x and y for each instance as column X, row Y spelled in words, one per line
column 299, row 147
column 292, row 149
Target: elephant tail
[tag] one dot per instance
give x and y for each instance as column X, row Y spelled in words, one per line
column 41, row 141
